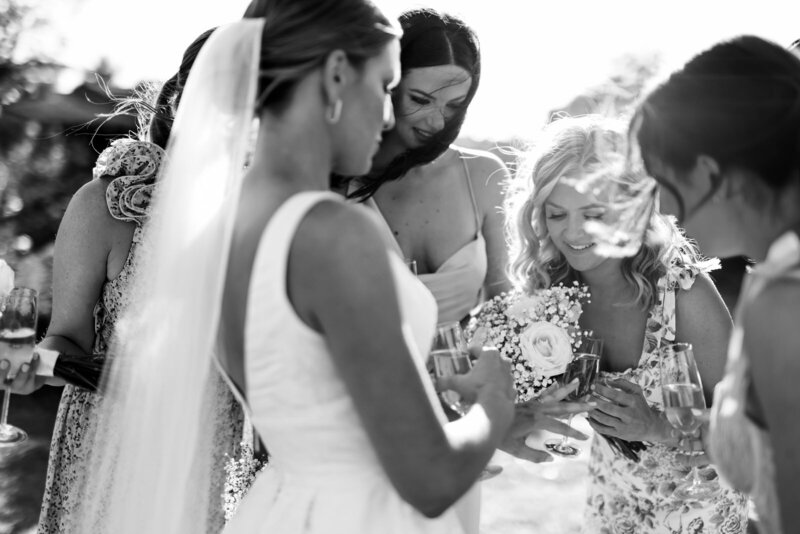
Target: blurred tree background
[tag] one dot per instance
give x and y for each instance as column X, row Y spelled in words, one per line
column 49, row 140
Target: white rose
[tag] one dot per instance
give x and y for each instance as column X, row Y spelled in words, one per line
column 6, row 278
column 547, row 347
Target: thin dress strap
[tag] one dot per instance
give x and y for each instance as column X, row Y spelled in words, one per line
column 471, row 194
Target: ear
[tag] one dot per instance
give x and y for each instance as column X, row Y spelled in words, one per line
column 708, row 172
column 335, row 73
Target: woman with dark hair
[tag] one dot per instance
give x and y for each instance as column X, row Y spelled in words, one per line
column 264, row 276
column 440, row 202
column 722, row 138
column 96, row 257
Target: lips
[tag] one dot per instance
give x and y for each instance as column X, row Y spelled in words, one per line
column 422, row 134
column 579, row 248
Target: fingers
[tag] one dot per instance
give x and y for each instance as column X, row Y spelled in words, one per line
column 562, row 409
column 518, row 449
column 613, row 394
column 560, row 427
column 479, row 337
column 24, row 382
column 625, row 385
column 556, row 392
column 610, row 409
column 601, row 428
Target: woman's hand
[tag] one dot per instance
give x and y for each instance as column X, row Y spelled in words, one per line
column 540, row 414
column 623, row 412
column 26, row 381
column 490, row 370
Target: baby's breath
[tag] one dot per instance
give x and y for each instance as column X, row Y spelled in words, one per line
column 507, row 315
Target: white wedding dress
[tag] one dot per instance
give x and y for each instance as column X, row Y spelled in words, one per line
column 323, row 475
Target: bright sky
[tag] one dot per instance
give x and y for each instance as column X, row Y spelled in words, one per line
column 536, row 55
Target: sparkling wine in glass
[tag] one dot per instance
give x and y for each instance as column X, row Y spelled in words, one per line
column 684, row 403
column 450, row 357
column 585, row 366
column 18, row 314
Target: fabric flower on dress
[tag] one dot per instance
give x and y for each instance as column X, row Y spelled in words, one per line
column 134, row 166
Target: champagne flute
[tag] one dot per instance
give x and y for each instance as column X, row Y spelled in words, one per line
column 18, row 314
column 584, row 366
column 684, row 403
column 451, row 357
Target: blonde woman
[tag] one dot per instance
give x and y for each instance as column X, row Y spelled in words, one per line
column 638, row 304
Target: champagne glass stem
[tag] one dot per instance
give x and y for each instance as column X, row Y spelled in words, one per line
column 4, row 414
column 565, row 438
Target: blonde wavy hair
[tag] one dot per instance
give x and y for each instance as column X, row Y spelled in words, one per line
column 588, row 147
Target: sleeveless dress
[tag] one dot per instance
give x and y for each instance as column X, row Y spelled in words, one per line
column 741, row 447
column 324, row 475
column 458, row 282
column 626, row 497
column 132, row 166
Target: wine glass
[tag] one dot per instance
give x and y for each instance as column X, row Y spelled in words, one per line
column 18, row 314
column 451, row 357
column 584, row 366
column 684, row 404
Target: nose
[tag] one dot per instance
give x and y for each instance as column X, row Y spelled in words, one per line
column 575, row 228
column 388, row 113
column 435, row 120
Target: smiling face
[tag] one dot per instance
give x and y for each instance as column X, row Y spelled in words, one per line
column 566, row 212
column 428, row 97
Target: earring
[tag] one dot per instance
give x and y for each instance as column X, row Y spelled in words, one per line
column 335, row 113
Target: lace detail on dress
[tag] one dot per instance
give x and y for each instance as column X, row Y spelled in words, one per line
column 629, row 497
column 133, row 165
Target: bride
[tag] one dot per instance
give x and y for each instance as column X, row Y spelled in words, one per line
column 294, row 296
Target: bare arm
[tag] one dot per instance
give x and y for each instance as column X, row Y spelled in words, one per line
column 772, row 340
column 345, row 292
column 488, row 174
column 702, row 319
column 87, row 238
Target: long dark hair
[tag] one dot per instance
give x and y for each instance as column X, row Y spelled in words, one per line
column 431, row 39
column 170, row 94
column 738, row 102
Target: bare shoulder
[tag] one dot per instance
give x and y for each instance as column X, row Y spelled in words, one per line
column 88, row 210
column 770, row 322
column 334, row 231
column 701, row 295
column 485, row 168
column 488, row 175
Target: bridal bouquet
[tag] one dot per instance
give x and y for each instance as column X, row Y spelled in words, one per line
column 537, row 332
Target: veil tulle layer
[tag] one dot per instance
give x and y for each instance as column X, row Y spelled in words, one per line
column 157, row 442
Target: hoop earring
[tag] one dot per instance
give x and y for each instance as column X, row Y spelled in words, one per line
column 335, row 113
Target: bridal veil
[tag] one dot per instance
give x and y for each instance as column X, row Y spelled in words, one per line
column 154, row 445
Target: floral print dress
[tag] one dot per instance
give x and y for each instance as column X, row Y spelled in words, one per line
column 626, row 497
column 132, row 166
